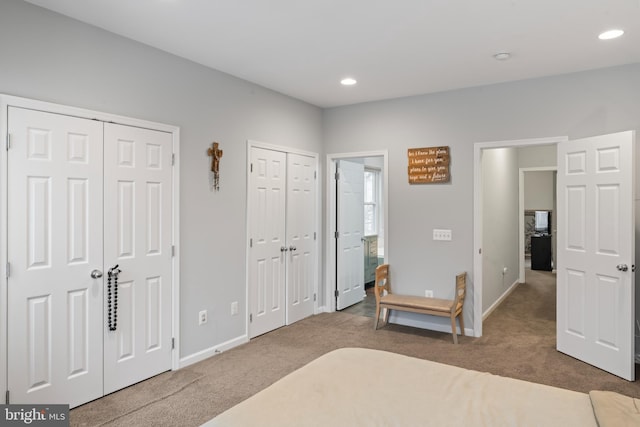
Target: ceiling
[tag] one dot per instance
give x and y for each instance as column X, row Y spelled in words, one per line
column 393, row 48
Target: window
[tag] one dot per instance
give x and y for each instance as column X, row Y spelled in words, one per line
column 371, row 201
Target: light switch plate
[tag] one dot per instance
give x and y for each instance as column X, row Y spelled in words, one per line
column 439, row 234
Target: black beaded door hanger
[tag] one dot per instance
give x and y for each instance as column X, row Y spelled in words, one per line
column 112, row 311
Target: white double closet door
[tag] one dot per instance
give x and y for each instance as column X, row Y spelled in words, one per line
column 282, row 252
column 84, row 196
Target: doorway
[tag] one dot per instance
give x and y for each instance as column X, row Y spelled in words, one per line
column 595, row 286
column 375, row 212
column 495, row 274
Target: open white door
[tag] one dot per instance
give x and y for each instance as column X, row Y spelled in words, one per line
column 350, row 241
column 301, row 262
column 595, row 271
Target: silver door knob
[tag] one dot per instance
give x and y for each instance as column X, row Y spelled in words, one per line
column 622, row 267
column 283, row 249
column 292, row 248
column 96, row 274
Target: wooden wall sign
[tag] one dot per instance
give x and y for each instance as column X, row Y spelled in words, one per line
column 428, row 165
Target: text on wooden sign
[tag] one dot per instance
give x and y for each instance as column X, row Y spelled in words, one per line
column 428, row 165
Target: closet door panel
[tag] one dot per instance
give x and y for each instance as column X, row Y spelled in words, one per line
column 138, row 180
column 54, row 243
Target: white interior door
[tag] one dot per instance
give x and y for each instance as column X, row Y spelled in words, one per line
column 138, row 239
column 350, row 242
column 595, row 278
column 300, row 228
column 54, row 242
column 268, row 249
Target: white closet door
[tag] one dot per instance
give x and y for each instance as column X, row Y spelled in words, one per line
column 137, row 238
column 54, row 242
column 301, row 264
column 268, row 252
column 350, row 253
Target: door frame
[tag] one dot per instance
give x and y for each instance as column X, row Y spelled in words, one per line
column 521, row 173
column 478, row 147
column 330, row 219
column 7, row 101
column 251, row 143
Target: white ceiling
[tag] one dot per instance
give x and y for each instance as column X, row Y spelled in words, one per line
column 394, row 48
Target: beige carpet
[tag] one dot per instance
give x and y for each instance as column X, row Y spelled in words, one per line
column 518, row 342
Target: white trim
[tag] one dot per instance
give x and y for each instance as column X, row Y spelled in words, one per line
column 7, row 101
column 264, row 145
column 500, row 300
column 4, row 317
column 212, row 351
column 521, row 172
column 175, row 357
column 330, row 247
column 478, row 147
column 267, row 146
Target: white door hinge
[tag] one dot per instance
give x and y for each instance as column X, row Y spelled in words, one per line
column 250, row 318
column 314, row 235
column 6, row 398
column 173, row 250
column 250, row 243
column 173, row 343
column 8, row 270
column 314, row 297
column 315, row 175
column 173, row 159
column 336, row 235
column 251, row 168
column 337, row 176
column 8, row 141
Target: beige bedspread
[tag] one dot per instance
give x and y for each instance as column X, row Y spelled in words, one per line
column 360, row 387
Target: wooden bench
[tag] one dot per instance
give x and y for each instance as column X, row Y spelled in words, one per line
column 416, row 304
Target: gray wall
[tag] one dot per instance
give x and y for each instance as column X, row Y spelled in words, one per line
column 538, row 190
column 575, row 105
column 49, row 57
column 499, row 223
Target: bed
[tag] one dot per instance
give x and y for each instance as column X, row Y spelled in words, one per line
column 362, row 387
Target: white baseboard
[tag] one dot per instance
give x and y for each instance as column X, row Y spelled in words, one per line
column 212, row 351
column 500, row 300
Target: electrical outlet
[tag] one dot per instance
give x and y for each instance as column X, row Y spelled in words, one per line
column 428, row 293
column 202, row 317
column 441, row 234
column 234, row 308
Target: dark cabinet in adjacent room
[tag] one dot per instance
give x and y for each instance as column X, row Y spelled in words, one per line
column 541, row 252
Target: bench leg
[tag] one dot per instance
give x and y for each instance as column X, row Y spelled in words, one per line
column 453, row 329
column 385, row 316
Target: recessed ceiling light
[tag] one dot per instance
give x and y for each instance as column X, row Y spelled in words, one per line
column 348, row 81
column 502, row 56
column 611, row 34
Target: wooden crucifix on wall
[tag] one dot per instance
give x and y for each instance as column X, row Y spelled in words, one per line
column 216, row 154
